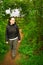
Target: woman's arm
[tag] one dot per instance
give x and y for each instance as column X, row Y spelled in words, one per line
column 19, row 38
column 6, row 35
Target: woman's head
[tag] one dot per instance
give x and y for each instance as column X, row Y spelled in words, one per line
column 11, row 20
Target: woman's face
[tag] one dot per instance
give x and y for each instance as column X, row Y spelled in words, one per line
column 12, row 21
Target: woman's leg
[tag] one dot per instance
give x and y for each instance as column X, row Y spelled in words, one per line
column 11, row 47
column 14, row 47
column 11, row 44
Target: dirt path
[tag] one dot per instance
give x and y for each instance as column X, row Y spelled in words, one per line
column 8, row 60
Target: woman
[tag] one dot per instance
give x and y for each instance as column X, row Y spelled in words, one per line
column 12, row 35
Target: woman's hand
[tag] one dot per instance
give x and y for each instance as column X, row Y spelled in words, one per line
column 6, row 42
column 19, row 41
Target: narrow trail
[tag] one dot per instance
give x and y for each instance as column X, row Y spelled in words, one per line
column 8, row 60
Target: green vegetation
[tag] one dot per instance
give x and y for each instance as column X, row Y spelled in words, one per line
column 32, row 28
column 3, row 46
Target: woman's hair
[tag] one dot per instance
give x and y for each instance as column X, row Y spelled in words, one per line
column 9, row 20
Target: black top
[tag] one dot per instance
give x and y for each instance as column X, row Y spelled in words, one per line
column 12, row 31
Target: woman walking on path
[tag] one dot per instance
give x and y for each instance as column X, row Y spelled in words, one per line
column 12, row 35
